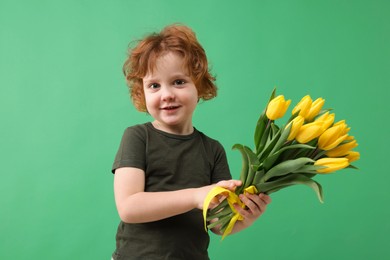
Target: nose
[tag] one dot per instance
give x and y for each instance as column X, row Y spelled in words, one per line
column 167, row 93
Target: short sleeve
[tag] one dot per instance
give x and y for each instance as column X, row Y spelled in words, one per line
column 131, row 152
column 221, row 169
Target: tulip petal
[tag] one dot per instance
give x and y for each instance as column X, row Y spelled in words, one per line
column 332, row 164
column 309, row 132
column 277, row 107
column 303, row 106
column 315, row 108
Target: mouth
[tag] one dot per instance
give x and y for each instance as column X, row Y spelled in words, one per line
column 168, row 108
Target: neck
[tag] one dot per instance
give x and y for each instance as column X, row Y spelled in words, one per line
column 177, row 130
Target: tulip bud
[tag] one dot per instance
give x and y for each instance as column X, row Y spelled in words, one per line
column 315, row 108
column 332, row 137
column 332, row 164
column 345, row 129
column 297, row 122
column 343, row 149
column 303, row 106
column 353, row 156
column 309, row 131
column 327, row 120
column 277, row 107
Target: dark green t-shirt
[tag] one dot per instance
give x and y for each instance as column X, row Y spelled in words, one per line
column 170, row 162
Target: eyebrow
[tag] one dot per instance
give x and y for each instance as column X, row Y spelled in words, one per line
column 146, row 82
column 174, row 76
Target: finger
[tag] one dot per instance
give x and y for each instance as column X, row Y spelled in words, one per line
column 229, row 184
column 245, row 213
column 261, row 201
column 253, row 202
column 267, row 199
column 264, row 200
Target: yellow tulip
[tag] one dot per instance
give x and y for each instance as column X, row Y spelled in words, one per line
column 343, row 149
column 277, row 107
column 332, row 164
column 353, row 156
column 303, row 106
column 332, row 137
column 327, row 120
column 309, row 131
column 345, row 129
column 296, row 123
column 315, row 108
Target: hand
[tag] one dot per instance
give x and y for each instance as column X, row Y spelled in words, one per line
column 255, row 207
column 201, row 193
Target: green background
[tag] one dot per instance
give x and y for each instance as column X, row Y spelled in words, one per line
column 64, row 106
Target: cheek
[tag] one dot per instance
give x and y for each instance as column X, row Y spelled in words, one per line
column 194, row 98
column 149, row 101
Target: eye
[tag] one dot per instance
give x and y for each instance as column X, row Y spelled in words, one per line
column 179, row 82
column 154, row 86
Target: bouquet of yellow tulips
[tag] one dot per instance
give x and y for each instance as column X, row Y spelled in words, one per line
column 311, row 143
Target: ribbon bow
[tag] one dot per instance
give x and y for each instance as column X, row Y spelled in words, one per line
column 232, row 199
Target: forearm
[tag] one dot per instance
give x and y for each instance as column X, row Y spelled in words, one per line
column 151, row 206
column 137, row 206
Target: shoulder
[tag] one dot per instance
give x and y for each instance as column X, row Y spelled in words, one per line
column 138, row 130
column 134, row 133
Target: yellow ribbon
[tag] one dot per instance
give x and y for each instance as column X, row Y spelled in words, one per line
column 232, row 199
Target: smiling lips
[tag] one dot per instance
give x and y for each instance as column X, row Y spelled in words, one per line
column 170, row 108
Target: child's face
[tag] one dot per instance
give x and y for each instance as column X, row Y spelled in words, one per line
column 170, row 94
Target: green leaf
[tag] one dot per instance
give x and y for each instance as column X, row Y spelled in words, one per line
column 282, row 140
column 220, row 206
column 293, row 116
column 258, row 175
column 263, row 139
column 260, row 128
column 252, row 158
column 222, row 222
column 309, row 169
column 270, row 160
column 269, row 146
column 253, row 165
column 352, row 167
column 245, row 163
column 289, row 180
column 319, row 155
column 274, row 153
column 225, row 211
column 250, row 164
column 272, row 95
column 274, row 130
column 286, row 167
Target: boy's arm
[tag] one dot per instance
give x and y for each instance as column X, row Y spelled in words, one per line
column 134, row 205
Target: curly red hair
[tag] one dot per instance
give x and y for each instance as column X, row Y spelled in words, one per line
column 174, row 38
